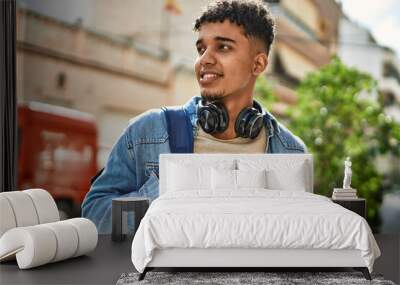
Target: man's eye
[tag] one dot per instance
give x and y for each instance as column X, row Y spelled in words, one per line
column 200, row 50
column 224, row 47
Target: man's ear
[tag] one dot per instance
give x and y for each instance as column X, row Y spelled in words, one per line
column 260, row 63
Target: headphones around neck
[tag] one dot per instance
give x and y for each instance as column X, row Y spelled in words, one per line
column 213, row 118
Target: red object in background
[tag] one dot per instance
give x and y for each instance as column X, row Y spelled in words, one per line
column 57, row 150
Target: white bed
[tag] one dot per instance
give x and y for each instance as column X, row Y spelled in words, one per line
column 202, row 219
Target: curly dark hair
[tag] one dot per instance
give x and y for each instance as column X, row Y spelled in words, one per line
column 254, row 16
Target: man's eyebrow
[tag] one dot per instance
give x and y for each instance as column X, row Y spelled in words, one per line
column 218, row 38
column 224, row 39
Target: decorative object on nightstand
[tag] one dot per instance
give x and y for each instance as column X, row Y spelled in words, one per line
column 120, row 210
column 346, row 192
column 357, row 205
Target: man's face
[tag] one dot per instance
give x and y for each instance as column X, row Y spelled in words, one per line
column 225, row 60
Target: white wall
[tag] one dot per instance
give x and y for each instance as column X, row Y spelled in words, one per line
column 356, row 50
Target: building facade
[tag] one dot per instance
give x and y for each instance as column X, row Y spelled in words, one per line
column 306, row 36
column 109, row 76
column 357, row 44
column 116, row 59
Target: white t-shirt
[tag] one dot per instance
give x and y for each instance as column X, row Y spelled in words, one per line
column 206, row 143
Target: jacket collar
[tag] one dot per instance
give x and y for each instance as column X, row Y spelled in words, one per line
column 192, row 105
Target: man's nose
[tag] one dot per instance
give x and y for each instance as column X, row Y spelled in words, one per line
column 207, row 58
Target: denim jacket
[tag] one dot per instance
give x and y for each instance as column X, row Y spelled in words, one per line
column 132, row 167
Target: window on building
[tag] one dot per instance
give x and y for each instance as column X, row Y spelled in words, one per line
column 61, row 80
column 388, row 99
column 390, row 70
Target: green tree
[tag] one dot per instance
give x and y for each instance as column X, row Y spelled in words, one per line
column 337, row 116
column 263, row 92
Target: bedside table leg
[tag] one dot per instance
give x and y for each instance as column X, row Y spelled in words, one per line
column 364, row 271
column 116, row 216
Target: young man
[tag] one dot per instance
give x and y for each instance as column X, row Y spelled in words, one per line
column 234, row 39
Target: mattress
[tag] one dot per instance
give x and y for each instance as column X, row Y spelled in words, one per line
column 250, row 219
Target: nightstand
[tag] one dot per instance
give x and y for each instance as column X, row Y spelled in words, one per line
column 357, row 205
column 120, row 211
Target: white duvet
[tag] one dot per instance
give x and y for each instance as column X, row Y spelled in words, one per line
column 253, row 218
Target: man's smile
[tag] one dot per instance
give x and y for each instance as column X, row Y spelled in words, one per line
column 207, row 77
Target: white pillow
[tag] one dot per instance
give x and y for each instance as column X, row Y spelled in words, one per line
column 282, row 173
column 237, row 179
column 293, row 181
column 190, row 176
column 251, row 178
column 182, row 177
column 223, row 179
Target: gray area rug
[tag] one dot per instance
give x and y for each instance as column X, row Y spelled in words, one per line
column 225, row 278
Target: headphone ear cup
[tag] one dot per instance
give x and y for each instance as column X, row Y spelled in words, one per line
column 223, row 117
column 255, row 125
column 249, row 123
column 213, row 117
column 240, row 123
column 207, row 119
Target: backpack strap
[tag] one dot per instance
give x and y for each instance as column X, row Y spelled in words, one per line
column 180, row 132
column 93, row 179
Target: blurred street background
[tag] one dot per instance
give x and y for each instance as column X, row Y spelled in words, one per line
column 86, row 67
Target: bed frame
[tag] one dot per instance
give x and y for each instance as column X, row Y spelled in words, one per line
column 246, row 259
column 242, row 259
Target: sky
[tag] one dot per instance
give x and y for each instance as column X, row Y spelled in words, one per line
column 381, row 17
